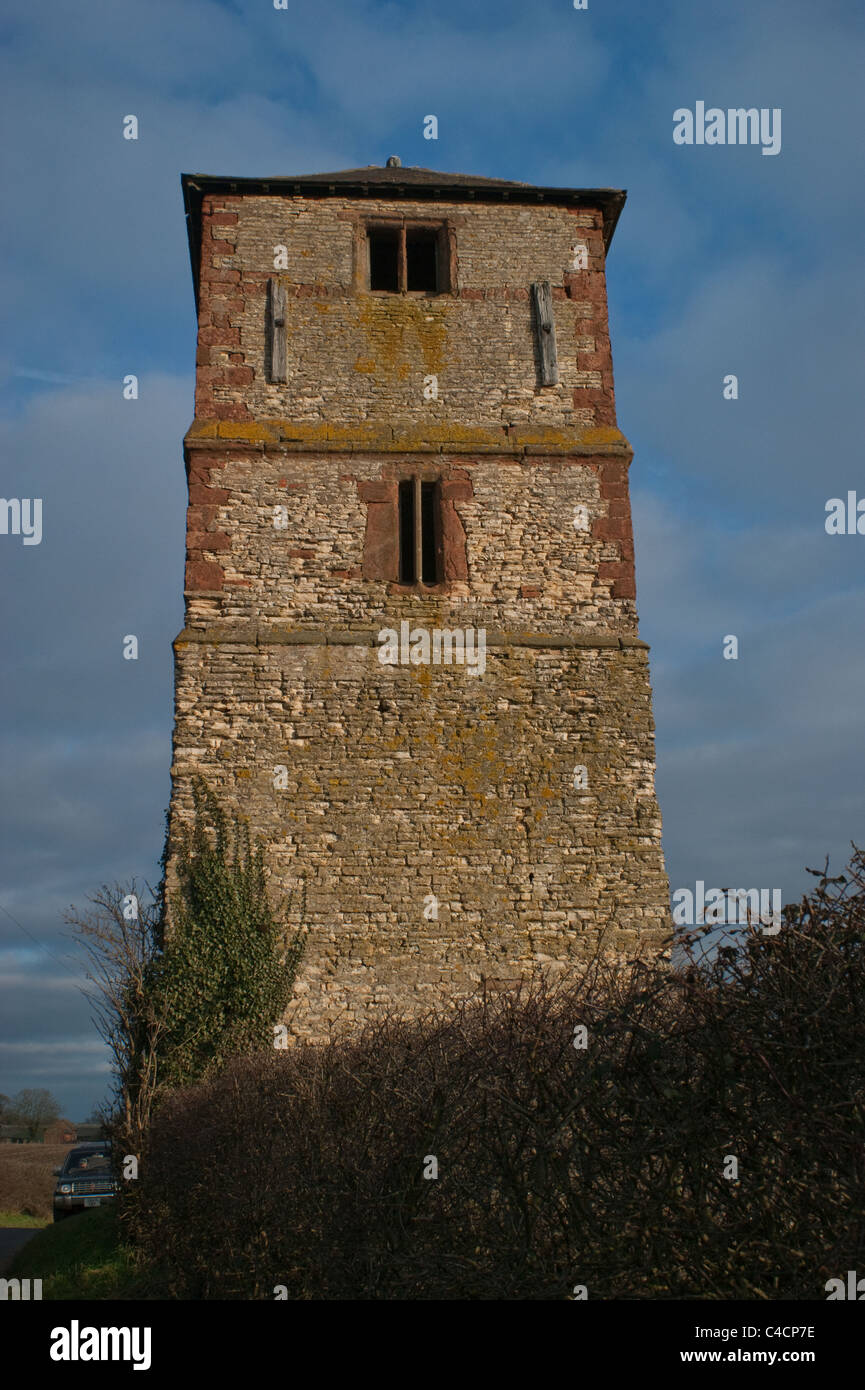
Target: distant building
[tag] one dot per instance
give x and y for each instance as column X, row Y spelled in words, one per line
column 57, row 1132
column 13, row 1134
column 61, row 1132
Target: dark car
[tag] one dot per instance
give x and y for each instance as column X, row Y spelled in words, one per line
column 86, row 1179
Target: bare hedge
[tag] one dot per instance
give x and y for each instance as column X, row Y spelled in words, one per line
column 607, row 1166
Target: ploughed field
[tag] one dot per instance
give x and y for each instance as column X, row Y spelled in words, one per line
column 26, row 1177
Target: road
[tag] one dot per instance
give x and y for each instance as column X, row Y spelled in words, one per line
column 11, row 1240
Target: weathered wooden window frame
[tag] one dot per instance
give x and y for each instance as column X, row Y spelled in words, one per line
column 402, row 225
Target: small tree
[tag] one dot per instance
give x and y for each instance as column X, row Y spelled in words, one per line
column 226, row 973
column 121, row 938
column 175, row 1002
column 35, row 1110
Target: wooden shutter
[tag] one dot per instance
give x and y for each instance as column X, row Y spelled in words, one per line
column 276, row 330
column 545, row 332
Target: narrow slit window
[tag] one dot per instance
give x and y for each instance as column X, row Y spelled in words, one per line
column 419, row 532
column 407, row 574
column 384, row 259
column 429, row 539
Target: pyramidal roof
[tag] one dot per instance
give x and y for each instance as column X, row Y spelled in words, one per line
column 412, row 175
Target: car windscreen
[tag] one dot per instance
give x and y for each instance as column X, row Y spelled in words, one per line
column 79, row 1164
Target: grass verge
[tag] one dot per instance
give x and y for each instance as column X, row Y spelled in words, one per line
column 83, row 1258
column 21, row 1218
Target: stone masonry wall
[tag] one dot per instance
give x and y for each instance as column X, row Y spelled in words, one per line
column 355, row 355
column 528, row 566
column 405, row 781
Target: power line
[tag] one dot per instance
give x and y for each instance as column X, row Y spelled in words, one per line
column 36, row 942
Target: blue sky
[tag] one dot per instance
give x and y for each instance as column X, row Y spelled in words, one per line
column 724, row 261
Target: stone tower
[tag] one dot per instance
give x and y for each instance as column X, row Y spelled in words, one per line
column 410, row 655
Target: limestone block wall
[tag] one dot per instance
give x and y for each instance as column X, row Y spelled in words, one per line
column 527, row 565
column 377, row 786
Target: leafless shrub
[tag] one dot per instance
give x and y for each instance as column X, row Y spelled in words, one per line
column 603, row 1166
column 120, row 936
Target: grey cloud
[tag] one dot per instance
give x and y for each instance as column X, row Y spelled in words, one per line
column 723, row 261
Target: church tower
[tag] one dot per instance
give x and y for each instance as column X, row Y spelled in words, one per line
column 410, row 655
